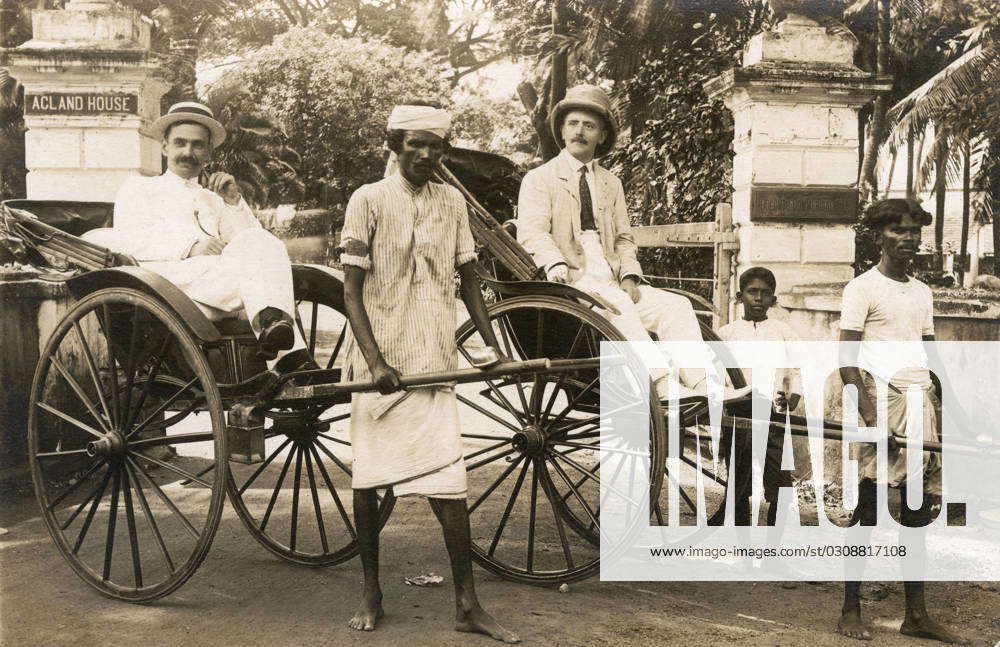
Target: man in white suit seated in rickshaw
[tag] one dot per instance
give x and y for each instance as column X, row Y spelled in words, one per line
column 572, row 218
column 206, row 240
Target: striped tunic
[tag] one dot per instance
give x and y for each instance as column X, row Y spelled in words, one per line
column 410, row 240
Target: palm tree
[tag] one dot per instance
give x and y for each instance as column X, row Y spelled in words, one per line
column 961, row 103
column 12, row 168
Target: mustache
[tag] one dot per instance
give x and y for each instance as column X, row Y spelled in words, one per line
column 187, row 159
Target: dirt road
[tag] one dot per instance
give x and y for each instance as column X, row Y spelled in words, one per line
column 242, row 595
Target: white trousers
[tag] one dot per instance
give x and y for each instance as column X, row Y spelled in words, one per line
column 252, row 273
column 668, row 315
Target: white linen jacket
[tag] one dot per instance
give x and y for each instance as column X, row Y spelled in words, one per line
column 160, row 218
column 548, row 219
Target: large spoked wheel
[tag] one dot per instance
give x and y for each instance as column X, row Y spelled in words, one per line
column 533, row 447
column 126, row 477
column 298, row 502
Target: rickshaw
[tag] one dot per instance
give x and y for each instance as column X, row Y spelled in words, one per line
column 145, row 416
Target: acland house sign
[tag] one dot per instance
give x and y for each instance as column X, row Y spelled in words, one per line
column 80, row 103
column 803, row 204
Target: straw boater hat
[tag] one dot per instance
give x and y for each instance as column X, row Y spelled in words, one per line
column 190, row 111
column 592, row 99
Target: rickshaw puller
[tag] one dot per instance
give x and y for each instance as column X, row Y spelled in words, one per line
column 403, row 239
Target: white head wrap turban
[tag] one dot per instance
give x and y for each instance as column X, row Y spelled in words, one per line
column 426, row 118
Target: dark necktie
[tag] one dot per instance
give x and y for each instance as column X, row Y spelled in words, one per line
column 586, row 204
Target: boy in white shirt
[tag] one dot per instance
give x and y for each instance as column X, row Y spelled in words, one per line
column 756, row 294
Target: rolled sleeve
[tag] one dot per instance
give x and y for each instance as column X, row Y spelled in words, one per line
column 356, row 236
column 465, row 244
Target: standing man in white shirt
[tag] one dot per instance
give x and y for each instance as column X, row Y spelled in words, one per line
column 573, row 219
column 886, row 305
column 207, row 241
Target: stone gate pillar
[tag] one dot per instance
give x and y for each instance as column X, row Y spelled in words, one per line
column 89, row 92
column 795, row 103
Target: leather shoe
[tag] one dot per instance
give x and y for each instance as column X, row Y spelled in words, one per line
column 277, row 335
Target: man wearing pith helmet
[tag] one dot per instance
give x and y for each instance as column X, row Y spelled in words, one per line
column 572, row 218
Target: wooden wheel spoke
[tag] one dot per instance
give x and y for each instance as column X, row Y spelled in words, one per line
column 486, row 412
column 130, row 366
column 162, row 407
column 70, row 419
column 150, row 380
column 533, row 503
column 486, row 437
column 576, row 399
column 597, row 447
column 175, row 439
column 92, row 369
column 298, row 324
column 712, row 475
column 484, row 450
column 312, row 330
column 148, row 515
column 333, row 439
column 337, row 418
column 493, row 486
column 587, row 474
column 133, row 536
column 263, row 466
column 65, row 452
column 510, row 506
column 576, row 424
column 333, row 492
column 336, row 349
column 136, row 467
column 112, row 366
column 95, row 503
column 591, row 514
column 343, row 466
column 680, row 490
column 78, row 390
column 276, row 492
column 315, row 499
column 508, row 351
column 100, row 488
column 293, row 533
column 489, row 459
column 549, row 490
column 500, row 399
column 109, row 545
column 173, row 468
column 552, row 397
column 73, row 486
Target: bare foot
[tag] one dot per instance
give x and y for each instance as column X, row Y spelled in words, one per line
column 927, row 628
column 851, row 626
column 477, row 621
column 368, row 614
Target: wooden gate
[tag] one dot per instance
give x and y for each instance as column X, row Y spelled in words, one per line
column 718, row 235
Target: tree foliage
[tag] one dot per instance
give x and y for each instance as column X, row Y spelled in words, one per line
column 333, row 96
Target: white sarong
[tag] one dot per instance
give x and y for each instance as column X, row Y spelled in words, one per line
column 414, row 446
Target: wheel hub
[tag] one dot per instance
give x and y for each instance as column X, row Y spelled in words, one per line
column 530, row 440
column 301, row 426
column 111, row 445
